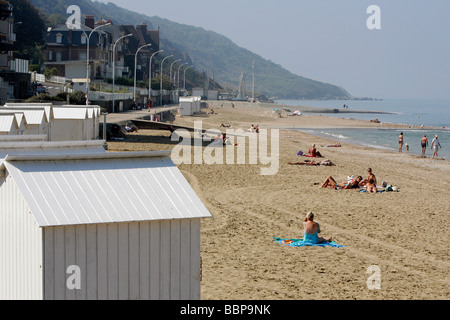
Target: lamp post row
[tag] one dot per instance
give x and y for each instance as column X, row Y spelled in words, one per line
column 135, row 67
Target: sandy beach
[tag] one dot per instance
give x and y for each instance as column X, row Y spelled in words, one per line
column 405, row 233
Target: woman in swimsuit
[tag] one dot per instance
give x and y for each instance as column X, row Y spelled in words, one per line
column 400, row 143
column 312, row 229
column 351, row 184
column 371, row 187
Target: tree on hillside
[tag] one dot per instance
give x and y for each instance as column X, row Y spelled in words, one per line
column 29, row 27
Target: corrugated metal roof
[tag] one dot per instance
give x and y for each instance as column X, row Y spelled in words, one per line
column 34, row 148
column 32, row 116
column 8, row 122
column 70, row 113
column 104, row 188
column 47, row 107
column 20, row 117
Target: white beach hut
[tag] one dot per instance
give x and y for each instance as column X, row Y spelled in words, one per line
column 36, row 119
column 97, row 225
column 63, row 122
column 186, row 106
column 38, row 115
column 189, row 105
column 8, row 124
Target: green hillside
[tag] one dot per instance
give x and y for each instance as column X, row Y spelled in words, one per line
column 209, row 51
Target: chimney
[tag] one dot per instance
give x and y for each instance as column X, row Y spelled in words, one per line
column 89, row 21
column 142, row 28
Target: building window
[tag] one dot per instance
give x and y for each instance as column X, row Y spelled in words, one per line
column 50, row 55
column 58, row 56
column 83, row 39
column 82, row 56
column 59, row 38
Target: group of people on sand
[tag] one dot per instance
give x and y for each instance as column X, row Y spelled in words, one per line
column 370, row 183
column 311, row 229
column 253, row 128
column 435, row 145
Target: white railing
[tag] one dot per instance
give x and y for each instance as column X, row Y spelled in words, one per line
column 107, row 96
column 58, row 80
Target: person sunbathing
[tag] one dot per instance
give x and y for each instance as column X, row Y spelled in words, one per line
column 313, row 163
column 349, row 184
column 313, row 152
column 337, row 145
column 371, row 186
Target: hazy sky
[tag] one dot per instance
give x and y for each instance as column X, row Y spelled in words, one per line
column 329, row 41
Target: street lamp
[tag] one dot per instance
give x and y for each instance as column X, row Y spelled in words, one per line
column 171, row 69
column 150, row 74
column 172, row 81
column 114, row 67
column 178, row 80
column 135, row 65
column 87, row 59
column 184, row 86
column 161, row 74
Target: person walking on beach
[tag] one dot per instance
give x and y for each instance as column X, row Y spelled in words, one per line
column 424, row 144
column 400, row 143
column 435, row 145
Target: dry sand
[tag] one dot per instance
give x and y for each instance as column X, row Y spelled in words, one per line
column 405, row 234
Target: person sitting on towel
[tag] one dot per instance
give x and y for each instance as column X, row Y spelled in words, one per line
column 312, row 229
column 313, row 152
column 371, row 187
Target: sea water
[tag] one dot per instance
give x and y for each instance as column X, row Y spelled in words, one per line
column 411, row 114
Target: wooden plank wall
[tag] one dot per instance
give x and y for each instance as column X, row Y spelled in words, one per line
column 124, row 261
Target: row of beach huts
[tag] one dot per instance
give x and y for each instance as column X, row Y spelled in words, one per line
column 80, row 223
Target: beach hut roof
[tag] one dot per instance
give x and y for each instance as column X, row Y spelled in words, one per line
column 63, row 112
column 32, row 116
column 74, row 189
column 20, row 117
column 47, row 107
column 93, row 110
column 35, row 144
column 7, row 122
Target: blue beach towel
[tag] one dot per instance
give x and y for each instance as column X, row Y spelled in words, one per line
column 378, row 191
column 301, row 243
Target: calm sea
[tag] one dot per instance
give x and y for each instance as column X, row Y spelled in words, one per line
column 411, row 113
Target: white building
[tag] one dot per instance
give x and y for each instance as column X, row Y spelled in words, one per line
column 60, row 123
column 95, row 225
column 36, row 119
column 189, row 105
column 75, row 123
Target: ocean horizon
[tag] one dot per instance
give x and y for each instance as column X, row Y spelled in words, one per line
column 411, row 113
